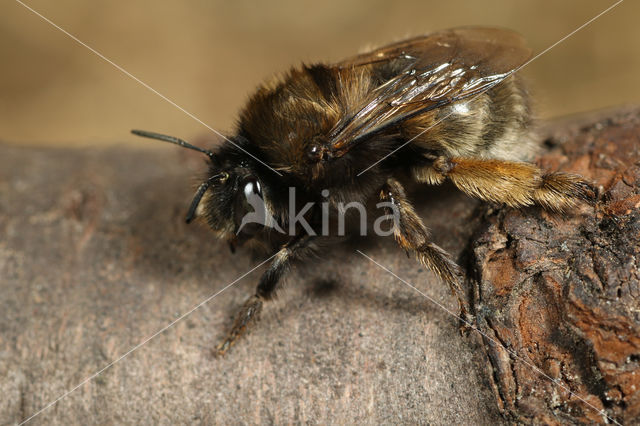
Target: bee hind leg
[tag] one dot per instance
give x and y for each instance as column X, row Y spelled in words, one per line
column 411, row 234
column 269, row 283
column 515, row 184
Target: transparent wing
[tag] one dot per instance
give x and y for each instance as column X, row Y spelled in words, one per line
column 424, row 73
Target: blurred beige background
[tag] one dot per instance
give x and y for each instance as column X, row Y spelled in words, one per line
column 207, row 56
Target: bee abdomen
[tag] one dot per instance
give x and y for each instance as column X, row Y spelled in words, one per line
column 495, row 124
column 507, row 126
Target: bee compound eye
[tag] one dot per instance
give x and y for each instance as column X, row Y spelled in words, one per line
column 249, row 211
column 252, row 187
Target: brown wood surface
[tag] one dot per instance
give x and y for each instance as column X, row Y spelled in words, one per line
column 95, row 258
column 563, row 293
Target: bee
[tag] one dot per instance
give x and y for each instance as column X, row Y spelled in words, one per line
column 447, row 105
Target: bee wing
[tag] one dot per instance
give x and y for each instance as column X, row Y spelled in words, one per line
column 424, row 73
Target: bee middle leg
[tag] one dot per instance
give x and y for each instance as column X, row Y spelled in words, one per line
column 412, row 235
column 515, row 184
column 269, row 283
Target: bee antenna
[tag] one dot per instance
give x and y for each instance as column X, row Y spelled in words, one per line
column 198, row 196
column 172, row 139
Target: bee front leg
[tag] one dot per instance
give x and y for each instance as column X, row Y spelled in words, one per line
column 412, row 235
column 269, row 283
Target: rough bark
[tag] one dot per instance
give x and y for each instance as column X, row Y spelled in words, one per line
column 95, row 258
column 562, row 292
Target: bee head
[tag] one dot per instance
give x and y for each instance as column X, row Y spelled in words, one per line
column 230, row 199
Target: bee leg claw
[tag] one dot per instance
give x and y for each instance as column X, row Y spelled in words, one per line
column 222, row 348
column 248, row 315
column 466, row 323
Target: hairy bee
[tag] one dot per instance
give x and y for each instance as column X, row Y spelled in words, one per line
column 442, row 106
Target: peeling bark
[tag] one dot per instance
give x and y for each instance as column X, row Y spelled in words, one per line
column 563, row 291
